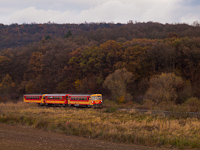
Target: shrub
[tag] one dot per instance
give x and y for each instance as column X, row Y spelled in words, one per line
column 167, row 106
column 193, row 104
column 109, row 103
column 148, row 104
column 117, row 84
column 164, row 87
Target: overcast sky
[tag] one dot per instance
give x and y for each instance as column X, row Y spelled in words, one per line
column 117, row 11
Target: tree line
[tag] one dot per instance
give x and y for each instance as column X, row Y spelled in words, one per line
column 159, row 69
column 19, row 35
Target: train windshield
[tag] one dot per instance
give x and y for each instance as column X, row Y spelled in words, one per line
column 97, row 98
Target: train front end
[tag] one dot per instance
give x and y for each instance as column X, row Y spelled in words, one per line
column 96, row 100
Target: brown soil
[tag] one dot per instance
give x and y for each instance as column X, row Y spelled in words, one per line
column 23, row 137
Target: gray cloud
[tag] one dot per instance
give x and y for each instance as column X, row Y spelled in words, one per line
column 76, row 11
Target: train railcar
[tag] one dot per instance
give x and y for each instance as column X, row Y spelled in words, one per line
column 96, row 100
column 34, row 98
column 56, row 99
column 88, row 100
column 79, row 100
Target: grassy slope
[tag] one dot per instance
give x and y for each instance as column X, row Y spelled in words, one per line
column 107, row 124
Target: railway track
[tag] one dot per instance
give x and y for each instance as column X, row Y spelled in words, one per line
column 168, row 113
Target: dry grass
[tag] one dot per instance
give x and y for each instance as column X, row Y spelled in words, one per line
column 113, row 125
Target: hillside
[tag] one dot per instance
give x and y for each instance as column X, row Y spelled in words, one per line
column 20, row 35
column 78, row 58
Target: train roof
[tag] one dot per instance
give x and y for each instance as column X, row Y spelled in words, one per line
column 33, row 94
column 56, row 94
column 80, row 94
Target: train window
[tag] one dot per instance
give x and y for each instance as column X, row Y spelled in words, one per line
column 99, row 98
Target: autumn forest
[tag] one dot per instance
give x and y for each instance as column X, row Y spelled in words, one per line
column 129, row 62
